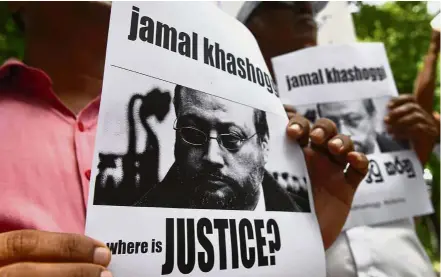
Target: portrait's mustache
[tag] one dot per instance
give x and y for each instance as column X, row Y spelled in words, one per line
column 214, row 175
column 218, row 177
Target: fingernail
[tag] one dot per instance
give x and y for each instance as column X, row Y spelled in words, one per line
column 101, row 256
column 319, row 135
column 296, row 128
column 337, row 143
column 359, row 158
column 355, row 157
column 106, row 273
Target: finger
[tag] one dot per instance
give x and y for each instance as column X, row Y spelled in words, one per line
column 400, row 111
column 289, row 108
column 397, row 101
column 54, row 270
column 358, row 168
column 298, row 129
column 322, row 131
column 408, row 121
column 414, row 131
column 436, row 116
column 339, row 146
column 290, row 115
column 38, row 246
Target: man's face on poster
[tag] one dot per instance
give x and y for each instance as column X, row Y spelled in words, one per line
column 353, row 119
column 225, row 173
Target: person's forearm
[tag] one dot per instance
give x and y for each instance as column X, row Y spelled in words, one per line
column 424, row 148
column 426, row 142
column 425, row 82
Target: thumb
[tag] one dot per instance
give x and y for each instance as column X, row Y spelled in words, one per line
column 308, row 153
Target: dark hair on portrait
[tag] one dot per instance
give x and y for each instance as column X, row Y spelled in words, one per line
column 259, row 118
column 367, row 103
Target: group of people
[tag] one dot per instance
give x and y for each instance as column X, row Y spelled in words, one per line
column 48, row 114
column 390, row 249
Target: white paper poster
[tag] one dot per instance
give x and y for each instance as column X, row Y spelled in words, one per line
column 351, row 85
column 192, row 172
column 230, row 7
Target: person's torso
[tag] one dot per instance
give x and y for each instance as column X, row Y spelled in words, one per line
column 387, row 250
column 46, row 151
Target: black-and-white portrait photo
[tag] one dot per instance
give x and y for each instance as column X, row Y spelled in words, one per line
column 220, row 151
column 362, row 119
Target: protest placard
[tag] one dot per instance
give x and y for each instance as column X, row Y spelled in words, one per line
column 192, row 171
column 351, row 85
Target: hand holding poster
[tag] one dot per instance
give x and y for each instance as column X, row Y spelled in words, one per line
column 193, row 173
column 352, row 85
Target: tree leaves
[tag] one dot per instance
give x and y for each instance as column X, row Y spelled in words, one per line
column 11, row 38
column 404, row 28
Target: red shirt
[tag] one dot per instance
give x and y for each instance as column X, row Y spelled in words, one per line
column 46, row 151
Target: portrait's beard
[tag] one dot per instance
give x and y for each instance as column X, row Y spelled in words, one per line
column 234, row 195
column 225, row 192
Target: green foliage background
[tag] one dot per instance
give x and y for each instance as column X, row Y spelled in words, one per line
column 404, row 28
column 11, row 38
